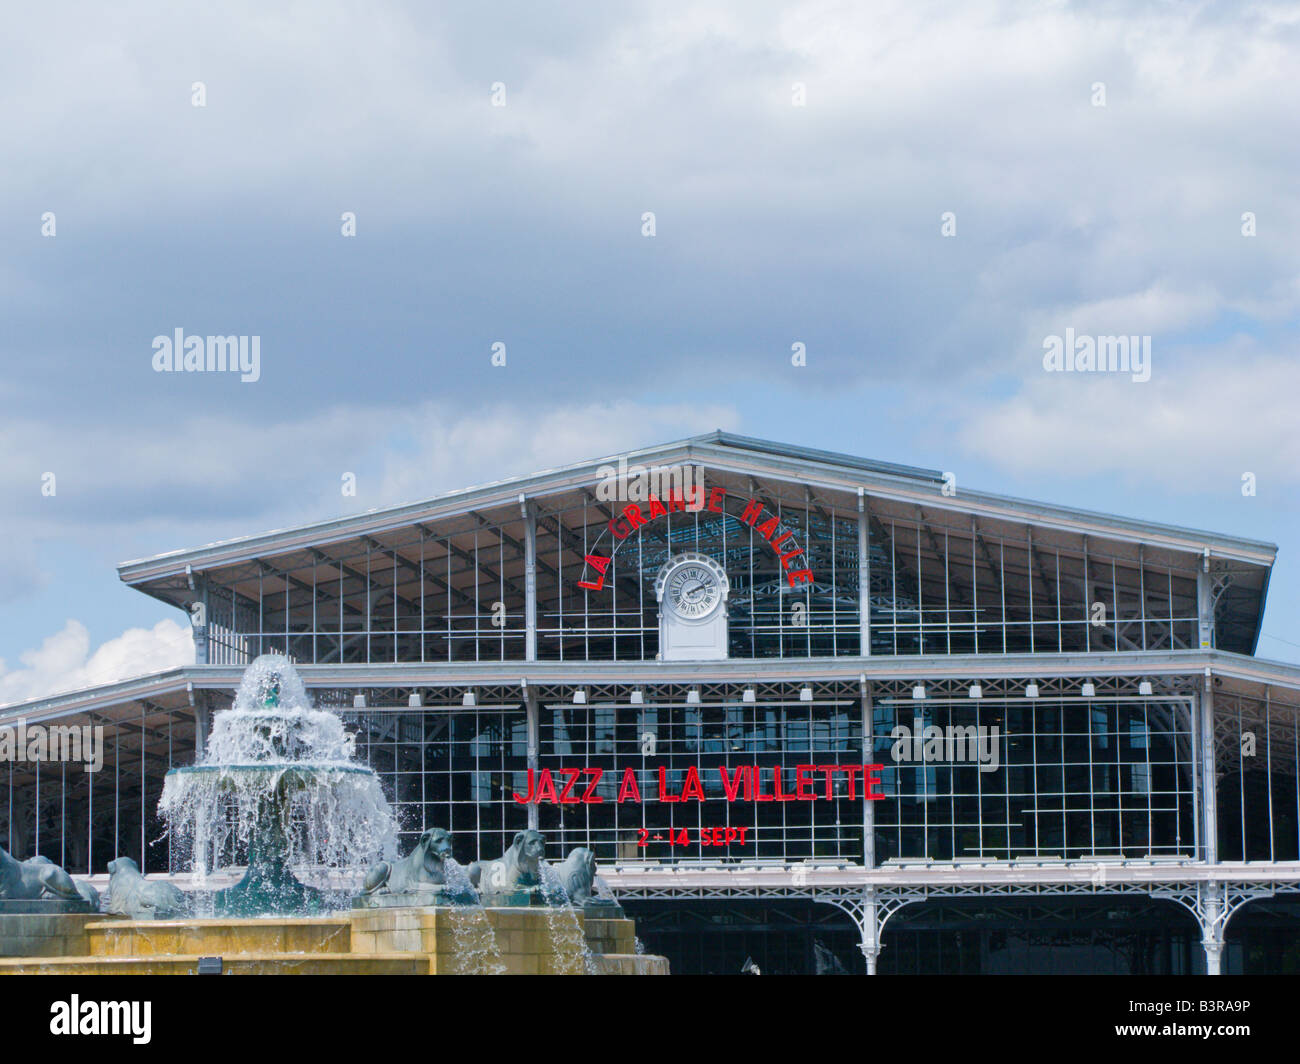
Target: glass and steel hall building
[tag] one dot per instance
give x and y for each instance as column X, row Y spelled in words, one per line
column 722, row 603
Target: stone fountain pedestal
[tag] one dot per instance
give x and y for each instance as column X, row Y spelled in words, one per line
column 387, row 940
column 58, row 933
column 525, row 936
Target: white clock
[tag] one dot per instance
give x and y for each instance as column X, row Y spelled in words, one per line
column 692, row 590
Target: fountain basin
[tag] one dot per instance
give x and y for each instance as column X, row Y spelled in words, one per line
column 431, row 896
column 44, row 906
column 278, row 769
column 393, row 940
column 512, row 900
column 52, row 934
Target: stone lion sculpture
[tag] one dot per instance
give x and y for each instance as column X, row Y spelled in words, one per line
column 422, row 867
column 519, row 868
column 577, row 874
column 88, row 893
column 130, row 894
column 36, row 877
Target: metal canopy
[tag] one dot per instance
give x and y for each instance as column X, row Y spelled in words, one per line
column 717, row 452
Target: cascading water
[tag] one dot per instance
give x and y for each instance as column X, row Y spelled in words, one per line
column 567, row 939
column 279, row 786
column 475, row 943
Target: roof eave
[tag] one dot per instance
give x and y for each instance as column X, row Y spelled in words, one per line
column 735, row 453
column 737, row 670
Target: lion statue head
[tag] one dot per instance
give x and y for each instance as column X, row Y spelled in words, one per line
column 434, row 848
column 577, row 874
column 519, row 867
column 528, row 848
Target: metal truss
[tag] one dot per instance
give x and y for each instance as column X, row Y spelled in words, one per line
column 1274, row 725
column 869, row 910
column 1214, row 903
column 1211, row 902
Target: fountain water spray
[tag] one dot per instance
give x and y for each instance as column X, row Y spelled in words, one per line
column 476, row 948
column 279, row 785
column 567, row 937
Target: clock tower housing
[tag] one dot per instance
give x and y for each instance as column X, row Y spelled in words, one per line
column 692, row 590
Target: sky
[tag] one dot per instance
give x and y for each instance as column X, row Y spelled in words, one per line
column 649, row 205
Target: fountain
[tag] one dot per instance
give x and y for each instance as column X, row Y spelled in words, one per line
column 279, row 784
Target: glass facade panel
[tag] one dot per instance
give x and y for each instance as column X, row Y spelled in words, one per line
column 1063, row 786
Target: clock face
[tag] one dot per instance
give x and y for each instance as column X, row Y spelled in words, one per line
column 692, row 590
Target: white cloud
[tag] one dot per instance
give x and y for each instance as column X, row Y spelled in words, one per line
column 1196, row 426
column 1152, row 311
column 513, row 440
column 64, row 661
column 776, row 222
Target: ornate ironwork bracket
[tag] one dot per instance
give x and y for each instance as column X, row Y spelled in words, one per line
column 1213, row 904
column 870, row 909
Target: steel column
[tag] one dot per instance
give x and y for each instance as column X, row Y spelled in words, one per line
column 530, row 578
column 1204, row 605
column 1209, row 804
column 532, row 752
column 868, row 752
column 864, row 576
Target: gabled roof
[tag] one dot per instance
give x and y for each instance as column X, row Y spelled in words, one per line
column 725, row 451
column 813, row 454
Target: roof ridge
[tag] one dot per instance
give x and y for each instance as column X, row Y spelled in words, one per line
column 911, row 482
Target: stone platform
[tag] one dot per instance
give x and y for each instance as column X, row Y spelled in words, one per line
column 56, row 934
column 389, row 941
column 44, row 906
